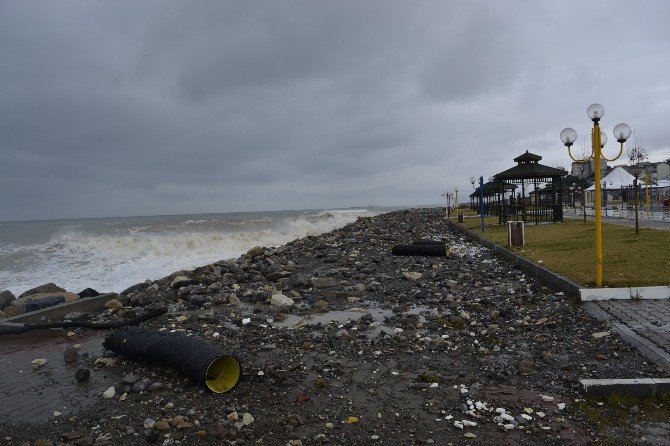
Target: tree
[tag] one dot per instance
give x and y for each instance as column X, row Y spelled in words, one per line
column 637, row 155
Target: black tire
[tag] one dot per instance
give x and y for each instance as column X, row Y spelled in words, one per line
column 420, row 250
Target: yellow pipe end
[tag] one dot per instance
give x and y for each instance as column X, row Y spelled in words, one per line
column 223, row 374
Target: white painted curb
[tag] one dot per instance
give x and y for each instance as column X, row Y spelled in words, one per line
column 649, row 292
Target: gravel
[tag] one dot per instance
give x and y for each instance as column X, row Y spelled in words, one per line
column 343, row 343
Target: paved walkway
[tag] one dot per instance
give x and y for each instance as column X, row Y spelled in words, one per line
column 654, row 224
column 643, row 323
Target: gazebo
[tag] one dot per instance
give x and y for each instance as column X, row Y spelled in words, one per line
column 492, row 192
column 530, row 173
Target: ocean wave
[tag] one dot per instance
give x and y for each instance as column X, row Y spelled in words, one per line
column 113, row 261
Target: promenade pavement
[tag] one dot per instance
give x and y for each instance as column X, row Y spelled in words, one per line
column 644, row 323
column 663, row 225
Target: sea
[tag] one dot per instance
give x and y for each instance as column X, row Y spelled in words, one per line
column 111, row 254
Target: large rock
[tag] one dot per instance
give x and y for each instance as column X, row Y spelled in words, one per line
column 255, row 252
column 13, row 310
column 88, row 292
column 181, row 281
column 54, row 298
column 114, row 304
column 280, row 300
column 6, row 299
column 47, row 288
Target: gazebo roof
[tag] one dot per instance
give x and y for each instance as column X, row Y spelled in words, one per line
column 527, row 158
column 492, row 188
column 528, row 168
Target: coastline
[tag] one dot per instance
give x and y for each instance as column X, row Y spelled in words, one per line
column 399, row 344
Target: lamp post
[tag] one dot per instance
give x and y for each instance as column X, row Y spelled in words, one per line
column 646, row 193
column 446, row 209
column 605, row 195
column 472, row 181
column 568, row 136
column 481, row 197
column 456, row 200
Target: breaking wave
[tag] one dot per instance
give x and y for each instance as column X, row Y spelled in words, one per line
column 116, row 259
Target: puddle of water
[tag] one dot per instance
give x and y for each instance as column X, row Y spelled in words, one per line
column 342, row 317
column 34, row 395
column 339, row 317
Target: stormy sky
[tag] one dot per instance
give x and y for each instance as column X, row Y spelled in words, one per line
column 112, row 108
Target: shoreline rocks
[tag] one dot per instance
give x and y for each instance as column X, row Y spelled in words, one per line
column 343, row 343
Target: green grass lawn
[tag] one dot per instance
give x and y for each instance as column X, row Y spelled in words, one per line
column 568, row 249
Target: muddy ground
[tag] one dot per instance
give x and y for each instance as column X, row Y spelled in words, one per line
column 342, row 343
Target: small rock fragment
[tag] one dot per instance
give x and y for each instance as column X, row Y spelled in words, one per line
column 82, row 375
column 38, row 363
column 109, row 393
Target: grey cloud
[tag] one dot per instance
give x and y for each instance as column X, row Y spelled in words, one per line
column 126, row 108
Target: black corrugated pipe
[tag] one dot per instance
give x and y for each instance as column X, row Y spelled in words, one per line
column 421, row 250
column 200, row 361
column 428, row 242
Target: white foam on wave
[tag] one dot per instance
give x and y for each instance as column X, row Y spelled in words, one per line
column 111, row 262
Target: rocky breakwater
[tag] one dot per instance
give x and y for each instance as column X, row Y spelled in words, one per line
column 38, row 298
column 343, row 343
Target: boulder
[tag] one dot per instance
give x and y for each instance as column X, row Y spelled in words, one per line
column 88, row 292
column 22, row 302
column 114, row 304
column 280, row 300
column 255, row 252
column 47, row 288
column 180, row 282
column 13, row 310
column 6, row 299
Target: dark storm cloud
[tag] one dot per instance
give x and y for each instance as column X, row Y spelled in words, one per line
column 127, row 108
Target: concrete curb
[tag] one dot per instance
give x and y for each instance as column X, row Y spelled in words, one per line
column 539, row 273
column 637, row 387
column 648, row 292
column 58, row 311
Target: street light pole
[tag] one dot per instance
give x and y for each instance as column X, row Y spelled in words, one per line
column 605, row 196
column 646, row 193
column 584, row 203
column 481, row 200
column 598, row 139
column 481, row 197
column 456, row 199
